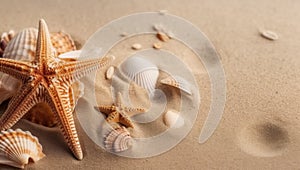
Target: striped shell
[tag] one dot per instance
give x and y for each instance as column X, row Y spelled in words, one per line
column 142, row 72
column 22, row 47
column 178, row 82
column 18, row 147
column 118, row 140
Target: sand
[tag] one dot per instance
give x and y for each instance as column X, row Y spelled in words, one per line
column 260, row 126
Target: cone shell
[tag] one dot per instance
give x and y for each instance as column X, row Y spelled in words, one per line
column 17, row 147
column 118, row 140
column 178, row 82
column 142, row 72
column 22, row 47
column 172, row 119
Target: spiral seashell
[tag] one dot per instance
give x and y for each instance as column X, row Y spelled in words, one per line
column 118, row 140
column 142, row 72
column 18, row 147
column 22, row 47
column 178, row 82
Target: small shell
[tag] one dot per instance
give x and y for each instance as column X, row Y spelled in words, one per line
column 178, row 82
column 172, row 119
column 163, row 12
column 110, row 72
column 157, row 45
column 18, row 147
column 142, row 72
column 136, row 46
column 118, row 140
column 162, row 37
column 270, row 35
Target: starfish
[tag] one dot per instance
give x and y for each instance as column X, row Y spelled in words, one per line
column 47, row 79
column 119, row 113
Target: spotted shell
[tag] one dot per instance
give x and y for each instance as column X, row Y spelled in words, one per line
column 178, row 82
column 18, row 147
column 118, row 140
column 142, row 72
column 22, row 47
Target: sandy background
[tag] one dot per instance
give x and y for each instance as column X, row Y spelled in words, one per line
column 260, row 127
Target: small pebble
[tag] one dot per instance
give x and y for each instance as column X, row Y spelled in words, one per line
column 136, row 46
column 124, row 34
column 163, row 12
column 162, row 37
column 110, row 72
column 270, row 35
column 157, row 45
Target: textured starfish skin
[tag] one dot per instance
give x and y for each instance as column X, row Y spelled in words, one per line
column 119, row 113
column 47, row 79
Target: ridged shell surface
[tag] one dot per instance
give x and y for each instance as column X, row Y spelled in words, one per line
column 17, row 147
column 142, row 72
column 178, row 82
column 118, row 140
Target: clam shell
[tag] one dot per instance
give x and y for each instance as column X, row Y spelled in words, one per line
column 178, row 82
column 142, row 72
column 22, row 47
column 118, row 140
column 17, row 147
column 172, row 119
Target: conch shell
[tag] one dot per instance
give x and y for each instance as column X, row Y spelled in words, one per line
column 18, row 147
column 22, row 47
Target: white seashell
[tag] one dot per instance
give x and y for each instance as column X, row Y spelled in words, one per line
column 70, row 55
column 110, row 72
column 178, row 82
column 172, row 119
column 142, row 72
column 118, row 140
column 21, row 47
column 17, row 147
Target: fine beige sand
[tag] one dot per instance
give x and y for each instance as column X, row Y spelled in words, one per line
column 261, row 122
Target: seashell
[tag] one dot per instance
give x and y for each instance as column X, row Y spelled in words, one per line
column 110, row 72
column 270, row 35
column 178, row 82
column 142, row 72
column 22, row 47
column 172, row 119
column 18, row 147
column 118, row 140
column 136, row 46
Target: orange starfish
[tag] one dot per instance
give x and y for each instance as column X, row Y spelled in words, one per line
column 119, row 113
column 47, row 79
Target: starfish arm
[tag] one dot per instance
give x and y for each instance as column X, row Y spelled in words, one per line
column 58, row 99
column 107, row 109
column 19, row 105
column 73, row 71
column 131, row 111
column 17, row 69
column 113, row 117
column 125, row 120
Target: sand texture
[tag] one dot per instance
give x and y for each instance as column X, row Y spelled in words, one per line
column 261, row 122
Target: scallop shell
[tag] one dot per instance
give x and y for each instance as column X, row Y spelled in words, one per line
column 22, row 47
column 142, row 72
column 118, row 140
column 172, row 119
column 18, row 147
column 178, row 82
